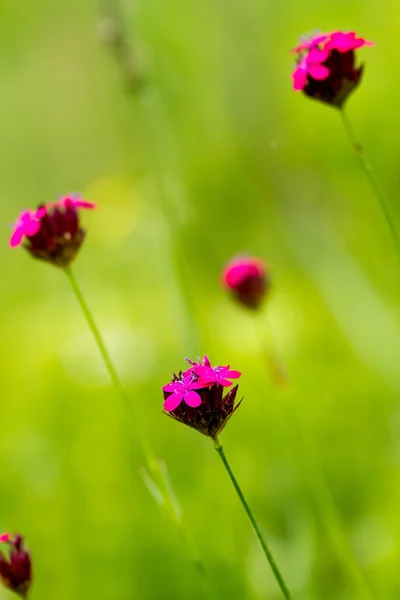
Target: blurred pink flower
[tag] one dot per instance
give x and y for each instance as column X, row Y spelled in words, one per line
column 325, row 68
column 15, row 565
column 246, row 278
column 52, row 232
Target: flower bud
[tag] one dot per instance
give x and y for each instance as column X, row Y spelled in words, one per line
column 326, row 67
column 52, row 232
column 196, row 398
column 247, row 279
column 15, row 564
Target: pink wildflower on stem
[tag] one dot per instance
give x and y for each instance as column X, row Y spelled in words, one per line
column 326, row 68
column 326, row 71
column 52, row 232
column 15, row 565
column 247, row 280
column 209, row 417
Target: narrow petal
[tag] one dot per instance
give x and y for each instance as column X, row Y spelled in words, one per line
column 318, row 72
column 173, row 401
column 206, row 361
column 299, row 78
column 192, row 399
column 16, row 238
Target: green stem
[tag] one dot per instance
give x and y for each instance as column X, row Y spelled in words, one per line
column 160, row 479
column 271, row 560
column 369, row 173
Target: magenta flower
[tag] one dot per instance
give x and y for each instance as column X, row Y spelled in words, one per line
column 246, row 278
column 208, row 375
column 325, row 67
column 15, row 565
column 182, row 389
column 52, row 232
column 207, row 410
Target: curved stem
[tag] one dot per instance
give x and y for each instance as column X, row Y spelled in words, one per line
column 159, row 483
column 369, row 173
column 271, row 560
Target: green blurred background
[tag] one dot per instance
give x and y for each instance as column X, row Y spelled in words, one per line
column 216, row 155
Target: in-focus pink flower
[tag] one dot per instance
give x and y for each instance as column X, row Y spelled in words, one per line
column 182, row 389
column 208, row 410
column 325, row 68
column 247, row 279
column 52, row 232
column 15, row 565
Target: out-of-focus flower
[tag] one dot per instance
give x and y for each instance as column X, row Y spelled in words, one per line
column 211, row 410
column 52, row 232
column 325, row 68
column 247, row 279
column 15, row 564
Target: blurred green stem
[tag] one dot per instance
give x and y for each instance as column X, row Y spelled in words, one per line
column 269, row 556
column 369, row 173
column 158, row 483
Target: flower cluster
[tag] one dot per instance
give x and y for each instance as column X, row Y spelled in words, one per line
column 15, row 564
column 52, row 232
column 196, row 398
column 247, row 279
column 326, row 68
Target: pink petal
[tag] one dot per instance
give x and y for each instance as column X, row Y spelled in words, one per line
column 299, row 78
column 317, row 56
column 224, row 382
column 16, row 238
column 171, row 387
column 76, row 203
column 5, row 537
column 206, row 361
column 192, row 399
column 173, row 401
column 32, row 227
column 196, row 385
column 233, row 374
column 318, row 72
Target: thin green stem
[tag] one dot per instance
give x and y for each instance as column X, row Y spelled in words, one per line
column 369, row 173
column 271, row 560
column 158, row 483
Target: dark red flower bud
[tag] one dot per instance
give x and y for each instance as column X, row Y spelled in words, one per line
column 52, row 232
column 196, row 397
column 15, row 564
column 326, row 67
column 247, row 279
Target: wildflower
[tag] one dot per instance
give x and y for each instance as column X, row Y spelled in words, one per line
column 207, row 410
column 15, row 565
column 52, row 232
column 326, row 68
column 247, row 279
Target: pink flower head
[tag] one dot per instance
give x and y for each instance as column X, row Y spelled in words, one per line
column 52, row 232
column 182, row 389
column 246, row 278
column 207, row 410
column 325, row 68
column 15, row 565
